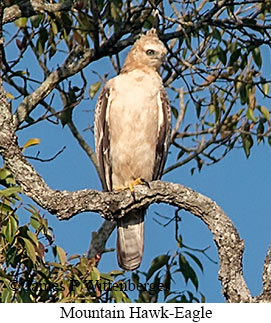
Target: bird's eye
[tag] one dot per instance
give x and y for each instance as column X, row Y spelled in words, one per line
column 150, row 52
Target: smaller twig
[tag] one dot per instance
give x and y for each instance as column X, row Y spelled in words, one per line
column 48, row 159
column 91, row 154
column 181, row 114
column 169, row 219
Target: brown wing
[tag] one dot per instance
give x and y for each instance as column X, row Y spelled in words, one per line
column 163, row 135
column 102, row 139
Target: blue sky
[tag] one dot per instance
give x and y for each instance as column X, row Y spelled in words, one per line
column 239, row 185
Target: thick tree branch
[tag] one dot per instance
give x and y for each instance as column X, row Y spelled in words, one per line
column 67, row 204
column 28, row 8
column 265, row 295
column 112, row 205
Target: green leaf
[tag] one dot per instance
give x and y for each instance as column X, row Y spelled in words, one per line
column 10, row 191
column 175, row 112
column 95, row 274
column 211, row 55
column 106, row 277
column 55, row 264
column 5, row 208
column 256, row 53
column 197, row 261
column 184, row 53
column 61, row 255
column 6, row 296
column 66, row 116
column 234, row 56
column 117, row 294
column 36, row 20
column 233, row 46
column 10, row 256
column 54, row 28
column 250, row 115
column 198, row 108
column 260, row 131
column 247, row 144
column 11, row 228
column 156, row 264
column 135, row 278
column 148, row 23
column 187, row 271
column 211, row 108
column 21, row 22
column 52, row 50
column 116, row 272
column 30, row 250
column 94, row 88
column 203, row 299
column 216, row 35
column 25, row 296
column 230, row 10
column 33, row 238
column 166, row 283
column 243, row 94
column 4, row 173
column 265, row 112
column 265, row 88
column 35, row 222
column 43, row 37
column 222, row 55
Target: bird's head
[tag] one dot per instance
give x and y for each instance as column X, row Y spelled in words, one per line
column 147, row 51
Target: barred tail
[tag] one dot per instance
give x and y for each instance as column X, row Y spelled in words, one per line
column 130, row 240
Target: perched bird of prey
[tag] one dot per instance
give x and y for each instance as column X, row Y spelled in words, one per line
column 132, row 129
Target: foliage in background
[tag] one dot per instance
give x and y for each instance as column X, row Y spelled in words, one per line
column 26, row 274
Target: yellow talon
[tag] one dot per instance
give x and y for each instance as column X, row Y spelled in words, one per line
column 120, row 188
column 137, row 181
column 131, row 186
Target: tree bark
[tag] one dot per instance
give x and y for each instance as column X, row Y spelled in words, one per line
column 28, row 8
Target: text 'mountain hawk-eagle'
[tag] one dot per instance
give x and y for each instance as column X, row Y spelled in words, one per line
column 132, row 129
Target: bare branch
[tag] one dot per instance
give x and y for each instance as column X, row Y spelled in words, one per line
column 91, row 154
column 28, row 8
column 99, row 238
column 46, row 160
column 180, row 116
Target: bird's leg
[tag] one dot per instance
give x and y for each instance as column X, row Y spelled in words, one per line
column 137, row 181
column 131, row 186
